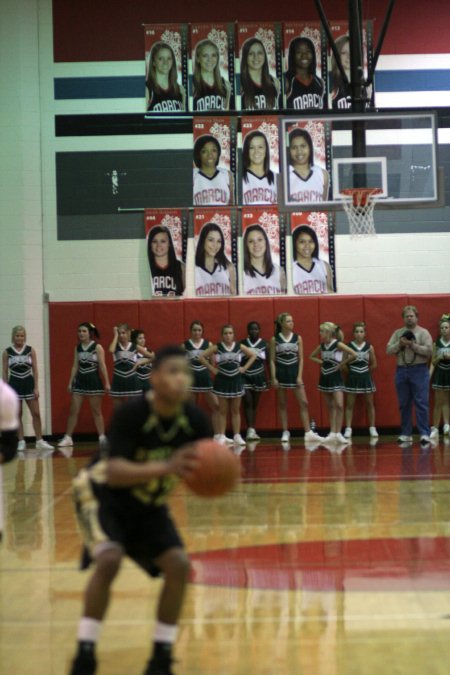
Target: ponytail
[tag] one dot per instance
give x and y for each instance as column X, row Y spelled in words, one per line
column 279, row 322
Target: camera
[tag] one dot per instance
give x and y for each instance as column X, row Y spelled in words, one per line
column 408, row 335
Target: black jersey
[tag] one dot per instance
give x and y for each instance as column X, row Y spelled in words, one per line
column 209, row 98
column 342, row 98
column 138, row 434
column 167, row 281
column 259, row 100
column 306, row 96
column 165, row 101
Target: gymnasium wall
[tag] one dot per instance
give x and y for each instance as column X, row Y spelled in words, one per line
column 168, row 321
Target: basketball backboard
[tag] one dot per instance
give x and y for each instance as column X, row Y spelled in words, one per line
column 394, row 152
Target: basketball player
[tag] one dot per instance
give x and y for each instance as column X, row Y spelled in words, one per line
column 211, row 90
column 125, row 381
column 85, row 382
column 311, row 275
column 259, row 183
column 261, row 275
column 259, row 90
column 168, row 273
column 121, row 505
column 307, row 181
column 331, row 384
column 213, row 186
column 9, row 425
column 286, row 368
column 214, row 273
column 228, row 383
column 21, row 372
column 340, row 92
column 304, row 89
column 359, row 380
column 164, row 94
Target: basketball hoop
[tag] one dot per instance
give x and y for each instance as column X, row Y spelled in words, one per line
column 359, row 204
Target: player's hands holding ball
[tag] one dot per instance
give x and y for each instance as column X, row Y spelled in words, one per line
column 184, row 461
column 208, row 468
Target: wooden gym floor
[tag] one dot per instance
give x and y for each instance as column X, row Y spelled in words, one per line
column 320, row 563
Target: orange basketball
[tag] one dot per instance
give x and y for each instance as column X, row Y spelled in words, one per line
column 218, row 470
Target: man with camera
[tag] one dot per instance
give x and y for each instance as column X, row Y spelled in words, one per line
column 412, row 346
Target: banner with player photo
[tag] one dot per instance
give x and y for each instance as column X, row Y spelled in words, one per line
column 166, row 68
column 260, row 160
column 305, row 66
column 263, row 259
column 216, row 254
column 306, row 150
column 260, row 69
column 339, row 92
column 212, row 54
column 166, row 231
column 313, row 253
column 214, row 161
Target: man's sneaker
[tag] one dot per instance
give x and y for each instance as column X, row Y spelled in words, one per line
column 84, row 664
column 373, row 433
column 424, row 439
column 65, row 442
column 252, row 435
column 348, row 432
column 21, row 446
column 285, row 436
column 238, row 440
column 342, row 440
column 160, row 665
column 434, row 433
column 405, row 439
column 43, row 445
column 446, row 429
column 312, row 437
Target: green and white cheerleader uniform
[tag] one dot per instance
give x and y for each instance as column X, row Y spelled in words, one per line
column 201, row 375
column 125, row 380
column 286, row 361
column 441, row 374
column 359, row 379
column 330, row 374
column 229, row 381
column 255, row 377
column 87, row 380
column 143, row 372
column 21, row 377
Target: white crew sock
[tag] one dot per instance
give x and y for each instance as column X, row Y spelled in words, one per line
column 165, row 632
column 88, row 630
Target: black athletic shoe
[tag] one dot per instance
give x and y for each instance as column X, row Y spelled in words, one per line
column 84, row 664
column 159, row 667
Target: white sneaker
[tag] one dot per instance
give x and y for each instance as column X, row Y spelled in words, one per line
column 43, row 445
column 348, row 432
column 341, row 439
column 434, row 432
column 221, row 438
column 373, row 433
column 405, row 439
column 252, row 435
column 65, row 442
column 21, row 446
column 238, row 440
column 286, row 436
column 446, row 429
column 331, row 438
column 311, row 436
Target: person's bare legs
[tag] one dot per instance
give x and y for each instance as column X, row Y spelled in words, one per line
column 329, row 402
column 95, row 403
column 235, row 405
column 349, row 407
column 370, row 405
column 300, row 395
column 338, row 397
column 75, row 407
column 282, row 408
column 222, row 416
column 98, row 591
column 213, row 403
column 33, row 407
column 20, row 432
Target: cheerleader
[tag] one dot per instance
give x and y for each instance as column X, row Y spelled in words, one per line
column 331, row 384
column 255, row 380
column 261, row 275
column 307, row 181
column 259, row 90
column 194, row 347
column 211, row 90
column 125, row 381
column 359, row 380
column 21, row 372
column 286, row 368
column 259, row 183
column 440, row 380
column 228, row 384
column 214, row 273
column 89, row 359
column 144, row 364
column 213, row 185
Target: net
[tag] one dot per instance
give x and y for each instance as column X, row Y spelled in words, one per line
column 359, row 204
